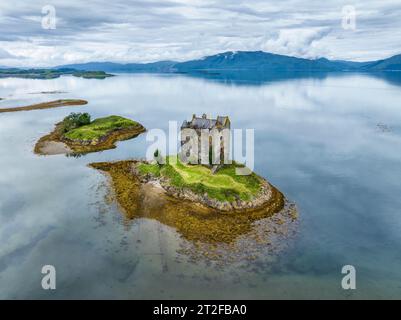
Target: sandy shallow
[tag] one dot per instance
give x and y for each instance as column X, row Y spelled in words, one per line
column 47, row 105
column 49, row 148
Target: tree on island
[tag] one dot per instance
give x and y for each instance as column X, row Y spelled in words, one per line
column 76, row 120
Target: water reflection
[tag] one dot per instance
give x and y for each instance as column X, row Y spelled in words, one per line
column 259, row 77
column 316, row 140
column 254, row 77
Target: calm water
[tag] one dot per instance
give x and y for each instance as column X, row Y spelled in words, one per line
column 332, row 144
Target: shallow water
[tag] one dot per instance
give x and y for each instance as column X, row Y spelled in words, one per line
column 331, row 144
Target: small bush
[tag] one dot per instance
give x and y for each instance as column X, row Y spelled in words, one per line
column 76, row 120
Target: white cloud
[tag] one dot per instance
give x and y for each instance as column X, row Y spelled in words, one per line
column 143, row 31
column 297, row 42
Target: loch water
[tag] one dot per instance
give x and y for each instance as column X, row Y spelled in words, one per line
column 331, row 143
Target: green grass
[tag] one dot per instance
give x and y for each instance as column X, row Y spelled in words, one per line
column 224, row 185
column 152, row 169
column 99, row 128
column 91, row 74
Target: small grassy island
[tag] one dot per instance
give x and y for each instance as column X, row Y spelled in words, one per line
column 202, row 206
column 47, row 105
column 77, row 134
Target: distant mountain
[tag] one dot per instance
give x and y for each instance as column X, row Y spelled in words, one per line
column 389, row 64
column 240, row 60
column 246, row 60
column 161, row 66
column 264, row 61
column 353, row 64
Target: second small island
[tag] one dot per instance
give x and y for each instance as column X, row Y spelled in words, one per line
column 77, row 134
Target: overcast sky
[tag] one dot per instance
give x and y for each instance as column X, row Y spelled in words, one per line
column 144, row 31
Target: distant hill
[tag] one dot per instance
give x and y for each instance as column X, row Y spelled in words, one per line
column 389, row 64
column 237, row 61
column 246, row 60
column 241, row 60
column 161, row 66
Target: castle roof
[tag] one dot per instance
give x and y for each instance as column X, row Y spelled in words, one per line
column 206, row 123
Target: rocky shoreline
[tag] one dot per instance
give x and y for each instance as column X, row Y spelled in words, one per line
column 54, row 143
column 264, row 197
